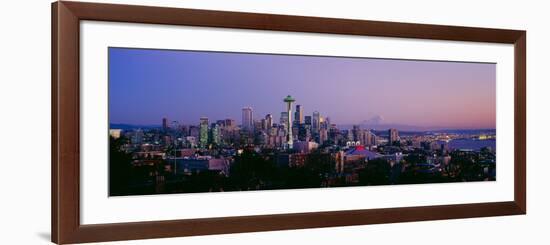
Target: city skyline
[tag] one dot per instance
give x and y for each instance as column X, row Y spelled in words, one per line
column 147, row 85
column 242, row 122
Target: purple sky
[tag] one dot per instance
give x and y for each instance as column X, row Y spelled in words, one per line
column 146, row 85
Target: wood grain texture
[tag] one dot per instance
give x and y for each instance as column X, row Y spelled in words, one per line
column 273, row 22
column 54, row 131
column 66, row 17
column 520, row 120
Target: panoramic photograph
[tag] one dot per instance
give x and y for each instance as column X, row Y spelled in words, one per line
column 204, row 121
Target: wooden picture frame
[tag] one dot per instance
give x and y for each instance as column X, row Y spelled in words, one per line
column 66, row 225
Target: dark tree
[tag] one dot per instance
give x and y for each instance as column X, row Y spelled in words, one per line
column 377, row 172
column 252, row 171
column 415, row 158
column 120, row 168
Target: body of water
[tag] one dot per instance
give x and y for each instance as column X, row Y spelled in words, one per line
column 472, row 144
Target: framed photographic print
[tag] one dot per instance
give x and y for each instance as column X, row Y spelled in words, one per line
column 177, row 122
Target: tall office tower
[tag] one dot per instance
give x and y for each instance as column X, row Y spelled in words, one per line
column 289, row 140
column 316, row 122
column 269, row 121
column 215, row 133
column 393, row 136
column 299, row 115
column 323, row 135
column 175, row 125
column 366, row 140
column 307, row 120
column 247, row 122
column 229, row 123
column 323, row 123
column 284, row 118
column 263, row 123
column 203, row 132
column 165, row 123
column 357, row 134
column 258, row 125
column 304, row 132
column 220, row 123
column 349, row 135
column 333, row 133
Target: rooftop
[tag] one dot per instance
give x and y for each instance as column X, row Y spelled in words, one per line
column 360, row 150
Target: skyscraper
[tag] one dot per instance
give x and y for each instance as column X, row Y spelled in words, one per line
column 357, row 134
column 164, row 123
column 289, row 100
column 316, row 122
column 175, row 125
column 393, row 136
column 284, row 118
column 269, row 121
column 203, row 136
column 304, row 132
column 299, row 115
column 229, row 123
column 323, row 135
column 307, row 120
column 263, row 123
column 215, row 133
column 247, row 122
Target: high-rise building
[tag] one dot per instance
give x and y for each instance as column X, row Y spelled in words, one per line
column 174, row 125
column 247, row 123
column 289, row 100
column 367, row 138
column 393, row 136
column 230, row 123
column 203, row 127
column 349, row 135
column 299, row 115
column 284, row 118
column 358, row 134
column 257, row 125
column 220, row 123
column 215, row 134
column 263, row 123
column 316, row 122
column 333, row 133
column 323, row 135
column 269, row 121
column 304, row 132
column 164, row 123
column 307, row 120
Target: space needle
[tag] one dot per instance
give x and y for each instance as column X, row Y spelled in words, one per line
column 288, row 100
